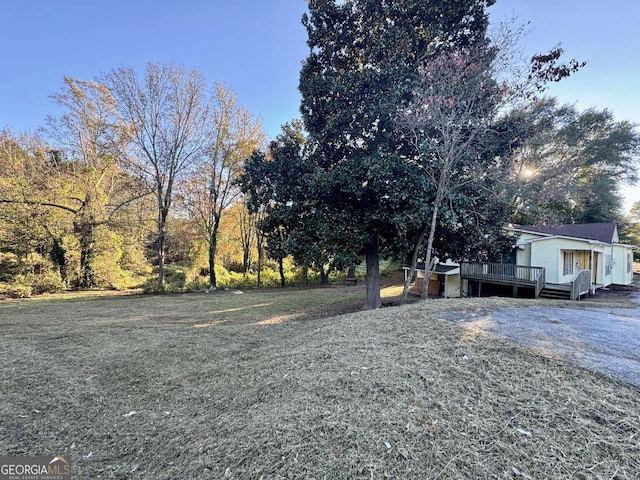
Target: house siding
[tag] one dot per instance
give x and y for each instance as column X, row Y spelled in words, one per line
column 452, row 286
column 554, row 247
column 523, row 254
column 545, row 254
column 549, row 253
column 607, row 256
column 622, row 275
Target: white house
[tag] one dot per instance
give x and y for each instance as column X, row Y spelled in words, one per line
column 564, row 250
column 553, row 261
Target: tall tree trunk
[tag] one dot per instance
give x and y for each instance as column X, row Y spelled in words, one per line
column 432, row 233
column 281, row 271
column 245, row 260
column 162, row 239
column 213, row 244
column 161, row 247
column 324, row 276
column 374, row 299
column 413, row 266
column 351, row 273
column 260, row 257
column 84, row 229
column 58, row 255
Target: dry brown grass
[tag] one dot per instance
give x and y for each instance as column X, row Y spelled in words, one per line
column 266, row 388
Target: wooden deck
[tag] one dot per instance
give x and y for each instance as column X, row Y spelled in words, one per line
column 519, row 276
column 505, row 274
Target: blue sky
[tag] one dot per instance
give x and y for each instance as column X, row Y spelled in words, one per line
column 256, row 47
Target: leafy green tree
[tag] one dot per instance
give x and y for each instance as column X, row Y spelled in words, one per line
column 89, row 136
column 630, row 227
column 364, row 57
column 277, row 184
column 23, row 223
column 568, row 164
column 72, row 191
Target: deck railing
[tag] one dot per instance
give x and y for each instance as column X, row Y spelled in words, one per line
column 508, row 274
column 580, row 284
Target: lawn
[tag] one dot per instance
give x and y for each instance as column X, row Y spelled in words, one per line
column 272, row 384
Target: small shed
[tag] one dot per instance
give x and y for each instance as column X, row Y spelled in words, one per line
column 444, row 280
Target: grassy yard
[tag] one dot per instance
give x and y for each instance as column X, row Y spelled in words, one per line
column 273, row 385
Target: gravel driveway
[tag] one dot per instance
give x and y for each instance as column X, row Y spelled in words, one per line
column 603, row 339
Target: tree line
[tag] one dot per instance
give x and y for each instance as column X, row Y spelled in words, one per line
column 421, row 136
column 128, row 155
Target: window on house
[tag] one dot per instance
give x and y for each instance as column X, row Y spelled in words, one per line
column 629, row 262
column 608, row 264
column 567, row 260
column 509, row 258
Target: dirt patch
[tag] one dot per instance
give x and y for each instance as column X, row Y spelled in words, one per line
column 623, row 294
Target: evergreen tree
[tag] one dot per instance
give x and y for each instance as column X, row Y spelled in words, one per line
column 364, row 60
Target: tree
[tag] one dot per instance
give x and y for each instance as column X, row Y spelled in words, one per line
column 168, row 118
column 453, row 124
column 246, row 222
column 364, row 55
column 630, row 231
column 79, row 176
column 27, row 225
column 277, row 184
column 453, row 107
column 90, row 136
column 568, row 164
column 212, row 188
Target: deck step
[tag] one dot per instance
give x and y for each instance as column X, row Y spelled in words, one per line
column 555, row 294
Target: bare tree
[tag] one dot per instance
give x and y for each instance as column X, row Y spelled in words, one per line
column 454, row 105
column 460, row 95
column 212, row 188
column 168, row 115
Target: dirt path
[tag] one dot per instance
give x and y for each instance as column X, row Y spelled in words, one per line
column 602, row 339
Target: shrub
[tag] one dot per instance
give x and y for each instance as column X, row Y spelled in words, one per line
column 8, row 266
column 241, row 281
column 134, row 261
column 270, row 278
column 223, row 277
column 235, row 266
column 388, row 267
column 47, row 282
column 197, row 284
column 15, row 290
column 174, row 279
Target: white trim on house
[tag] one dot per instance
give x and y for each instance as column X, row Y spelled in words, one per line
column 563, row 256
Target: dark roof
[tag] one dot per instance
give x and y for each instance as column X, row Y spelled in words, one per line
column 440, row 267
column 444, row 268
column 602, row 232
